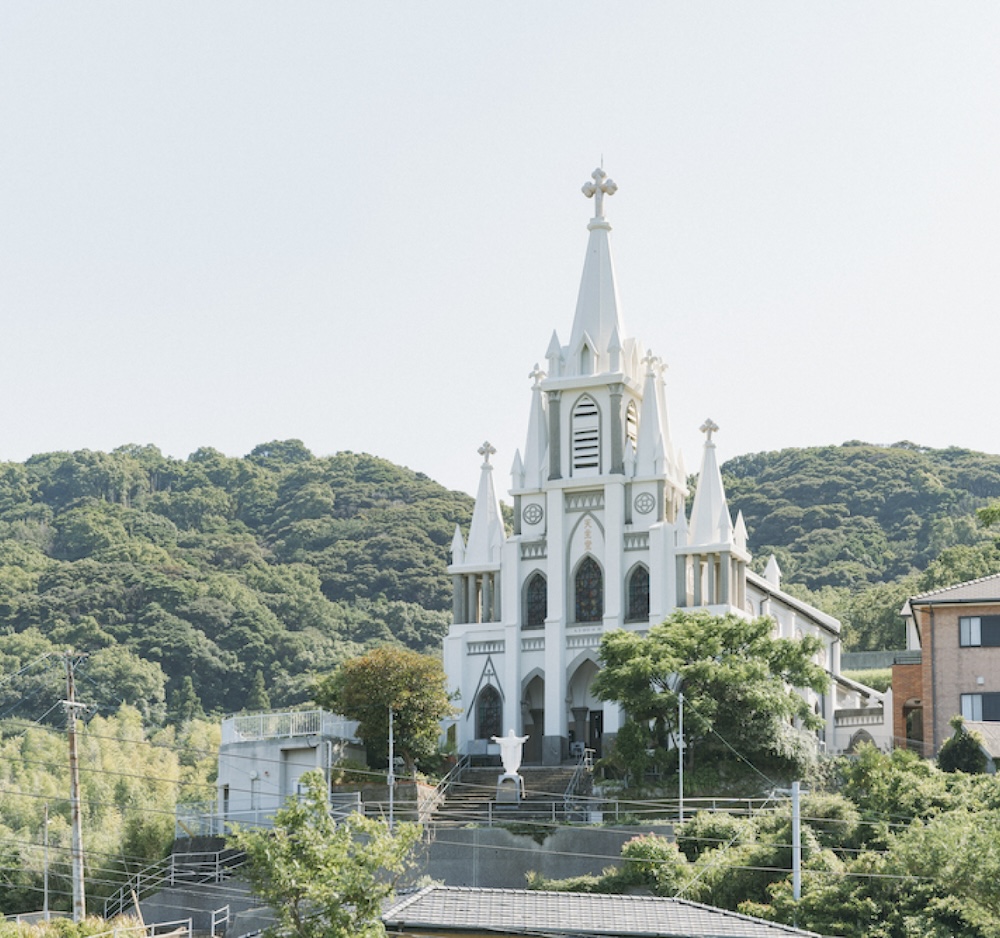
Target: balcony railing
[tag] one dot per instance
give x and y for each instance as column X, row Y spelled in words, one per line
column 248, row 727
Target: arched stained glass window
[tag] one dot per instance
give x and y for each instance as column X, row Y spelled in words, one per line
column 489, row 713
column 638, row 594
column 589, row 585
column 536, row 602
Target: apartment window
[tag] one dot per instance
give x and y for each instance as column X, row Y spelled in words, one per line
column 981, row 707
column 979, row 631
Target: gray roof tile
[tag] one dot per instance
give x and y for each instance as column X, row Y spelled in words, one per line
column 521, row 912
column 985, row 588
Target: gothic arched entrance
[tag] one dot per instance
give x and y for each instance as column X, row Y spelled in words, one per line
column 533, row 717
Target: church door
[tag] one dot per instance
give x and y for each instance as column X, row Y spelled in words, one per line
column 596, row 732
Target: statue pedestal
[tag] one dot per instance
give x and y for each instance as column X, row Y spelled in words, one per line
column 510, row 788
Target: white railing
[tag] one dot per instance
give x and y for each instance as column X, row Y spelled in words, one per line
column 177, row 869
column 248, row 727
column 220, row 920
column 594, row 809
column 861, row 716
column 181, row 927
column 206, row 821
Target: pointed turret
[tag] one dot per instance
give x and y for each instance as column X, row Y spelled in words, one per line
column 536, row 447
column 486, row 532
column 457, row 547
column 772, row 572
column 661, row 399
column 615, row 350
column 710, row 519
column 597, row 305
column 554, row 355
column 650, row 439
column 517, row 471
column 740, row 533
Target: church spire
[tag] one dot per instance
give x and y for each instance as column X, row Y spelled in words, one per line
column 710, row 519
column 597, row 326
column 486, row 532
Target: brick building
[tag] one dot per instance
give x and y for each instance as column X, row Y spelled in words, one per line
column 951, row 665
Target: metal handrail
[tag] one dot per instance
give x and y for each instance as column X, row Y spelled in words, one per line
column 182, row 926
column 573, row 795
column 442, row 788
column 171, row 871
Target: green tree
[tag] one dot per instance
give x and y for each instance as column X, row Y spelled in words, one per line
column 962, row 752
column 321, row 878
column 989, row 515
column 738, row 683
column 185, row 704
column 258, row 698
column 411, row 684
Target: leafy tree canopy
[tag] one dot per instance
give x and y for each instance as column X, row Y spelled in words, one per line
column 963, row 751
column 736, row 678
column 321, row 878
column 410, row 684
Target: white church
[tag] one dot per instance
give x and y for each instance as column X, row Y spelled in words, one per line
column 601, row 541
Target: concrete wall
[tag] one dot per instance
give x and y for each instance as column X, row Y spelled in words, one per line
column 495, row 858
column 486, row 857
column 866, row 660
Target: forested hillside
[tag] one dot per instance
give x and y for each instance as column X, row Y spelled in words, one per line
column 857, row 528
column 215, row 583
column 212, row 583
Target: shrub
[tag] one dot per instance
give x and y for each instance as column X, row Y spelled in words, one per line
column 710, row 829
column 962, row 752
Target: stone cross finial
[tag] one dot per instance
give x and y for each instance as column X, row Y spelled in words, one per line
column 537, row 375
column 708, row 428
column 598, row 189
column 650, row 361
column 486, row 450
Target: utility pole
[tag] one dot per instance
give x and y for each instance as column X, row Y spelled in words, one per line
column 796, row 845
column 45, row 892
column 79, row 899
column 680, row 752
column 392, row 774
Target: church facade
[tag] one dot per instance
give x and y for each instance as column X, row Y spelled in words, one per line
column 601, row 540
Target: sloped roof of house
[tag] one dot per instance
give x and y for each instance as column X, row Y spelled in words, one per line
column 984, row 589
column 524, row 912
column 989, row 733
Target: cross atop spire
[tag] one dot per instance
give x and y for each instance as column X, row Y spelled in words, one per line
column 708, row 428
column 486, row 450
column 600, row 187
column 537, row 375
column 651, row 362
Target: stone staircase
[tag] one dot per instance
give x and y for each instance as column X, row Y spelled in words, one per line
column 472, row 799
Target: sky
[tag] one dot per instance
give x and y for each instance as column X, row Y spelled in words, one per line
column 357, row 224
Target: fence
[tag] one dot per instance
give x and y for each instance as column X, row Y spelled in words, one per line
column 203, row 820
column 177, row 869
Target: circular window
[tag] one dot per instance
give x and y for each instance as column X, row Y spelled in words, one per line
column 644, row 503
column 532, row 514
